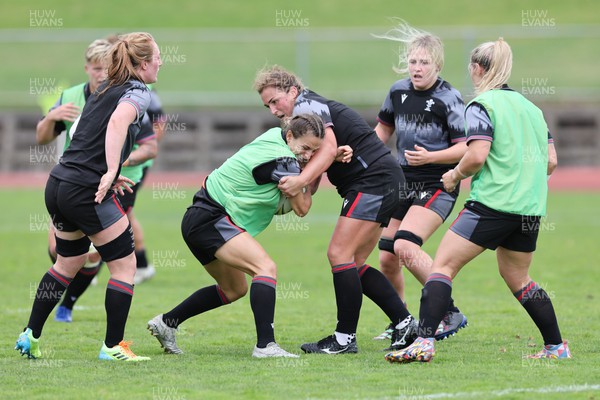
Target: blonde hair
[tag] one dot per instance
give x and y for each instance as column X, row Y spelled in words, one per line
column 97, row 51
column 496, row 60
column 413, row 39
column 277, row 77
column 126, row 54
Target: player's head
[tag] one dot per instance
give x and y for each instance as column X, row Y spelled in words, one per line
column 95, row 62
column 490, row 65
column 304, row 134
column 421, row 54
column 278, row 89
column 134, row 56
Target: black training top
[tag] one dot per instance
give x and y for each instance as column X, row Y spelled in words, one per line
column 84, row 161
column 350, row 129
column 432, row 119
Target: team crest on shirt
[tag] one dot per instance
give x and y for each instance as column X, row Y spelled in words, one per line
column 429, row 103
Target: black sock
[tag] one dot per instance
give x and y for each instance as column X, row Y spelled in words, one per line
column 262, row 301
column 348, row 297
column 78, row 285
column 117, row 303
column 536, row 301
column 434, row 303
column 47, row 296
column 200, row 301
column 452, row 307
column 140, row 257
column 379, row 289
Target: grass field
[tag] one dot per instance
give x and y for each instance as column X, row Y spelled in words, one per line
column 212, row 50
column 481, row 362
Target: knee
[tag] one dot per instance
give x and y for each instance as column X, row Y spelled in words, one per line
column 338, row 255
column 388, row 263
column 515, row 281
column 407, row 245
column 235, row 292
column 267, row 268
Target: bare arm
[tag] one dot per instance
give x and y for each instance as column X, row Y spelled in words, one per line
column 469, row 165
column 119, row 122
column 44, row 131
column 451, row 155
column 384, row 132
column 159, row 128
column 323, row 158
column 301, row 203
column 146, row 151
column 552, row 158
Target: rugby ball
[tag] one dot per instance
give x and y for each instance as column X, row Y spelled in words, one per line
column 284, row 206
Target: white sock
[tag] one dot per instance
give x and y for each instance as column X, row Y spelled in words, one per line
column 344, row 338
column 404, row 323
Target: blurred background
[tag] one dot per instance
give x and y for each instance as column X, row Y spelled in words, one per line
column 212, row 50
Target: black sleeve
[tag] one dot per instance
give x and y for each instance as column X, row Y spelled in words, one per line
column 478, row 123
column 273, row 171
column 59, row 126
column 146, row 132
column 155, row 111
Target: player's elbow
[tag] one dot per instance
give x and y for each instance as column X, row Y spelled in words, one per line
column 552, row 164
column 477, row 159
column 302, row 208
column 552, row 160
column 152, row 149
column 41, row 135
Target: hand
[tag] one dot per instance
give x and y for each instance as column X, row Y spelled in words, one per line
column 107, row 183
column 290, row 186
column 344, row 154
column 123, row 183
column 65, row 112
column 419, row 156
column 450, row 180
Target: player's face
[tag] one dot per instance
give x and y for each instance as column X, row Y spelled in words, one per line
column 149, row 72
column 96, row 73
column 423, row 72
column 303, row 147
column 278, row 101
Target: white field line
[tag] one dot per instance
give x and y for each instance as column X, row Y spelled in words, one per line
column 503, row 392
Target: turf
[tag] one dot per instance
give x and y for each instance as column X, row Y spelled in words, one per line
column 482, row 361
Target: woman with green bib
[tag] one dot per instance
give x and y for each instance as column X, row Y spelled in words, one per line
column 510, row 154
column 236, row 202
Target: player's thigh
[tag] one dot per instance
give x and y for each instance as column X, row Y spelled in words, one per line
column 390, row 230
column 421, row 221
column 247, row 255
column 109, row 234
column 453, row 253
column 349, row 236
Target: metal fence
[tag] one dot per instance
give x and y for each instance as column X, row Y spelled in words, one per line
column 201, row 141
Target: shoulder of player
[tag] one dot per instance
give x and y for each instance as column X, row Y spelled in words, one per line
column 446, row 92
column 402, row 84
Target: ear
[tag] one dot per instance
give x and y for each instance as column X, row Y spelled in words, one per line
column 288, row 136
column 480, row 70
column 294, row 91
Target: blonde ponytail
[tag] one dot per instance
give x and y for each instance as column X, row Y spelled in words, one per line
column 496, row 60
